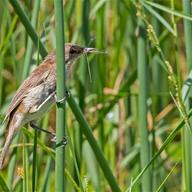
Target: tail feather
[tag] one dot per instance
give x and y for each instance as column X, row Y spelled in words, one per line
column 15, row 121
column 6, row 147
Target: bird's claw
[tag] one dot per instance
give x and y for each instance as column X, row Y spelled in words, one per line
column 62, row 143
column 53, row 139
column 61, row 101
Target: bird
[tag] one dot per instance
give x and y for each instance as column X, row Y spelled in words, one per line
column 36, row 94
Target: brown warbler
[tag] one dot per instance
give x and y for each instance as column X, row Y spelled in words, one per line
column 37, row 93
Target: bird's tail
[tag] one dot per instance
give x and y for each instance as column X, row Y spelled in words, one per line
column 9, row 138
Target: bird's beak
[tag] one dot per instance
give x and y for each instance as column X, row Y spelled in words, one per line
column 89, row 50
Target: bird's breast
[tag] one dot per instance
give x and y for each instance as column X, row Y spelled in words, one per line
column 39, row 100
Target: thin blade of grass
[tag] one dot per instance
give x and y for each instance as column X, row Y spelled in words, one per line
column 160, row 18
column 169, row 10
column 162, row 184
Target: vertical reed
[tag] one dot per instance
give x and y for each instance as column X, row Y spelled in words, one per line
column 60, row 113
column 186, row 134
column 145, row 153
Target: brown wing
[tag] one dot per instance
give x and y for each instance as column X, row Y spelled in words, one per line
column 37, row 77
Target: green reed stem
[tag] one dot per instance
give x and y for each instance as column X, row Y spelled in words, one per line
column 34, row 168
column 142, row 103
column 60, row 113
column 186, row 134
column 26, row 167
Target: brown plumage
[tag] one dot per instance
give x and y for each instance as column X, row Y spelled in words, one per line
column 37, row 93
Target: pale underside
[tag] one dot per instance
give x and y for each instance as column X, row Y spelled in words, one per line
column 36, row 94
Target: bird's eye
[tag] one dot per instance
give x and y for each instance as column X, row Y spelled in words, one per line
column 75, row 50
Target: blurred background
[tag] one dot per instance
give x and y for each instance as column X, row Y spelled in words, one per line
column 134, row 97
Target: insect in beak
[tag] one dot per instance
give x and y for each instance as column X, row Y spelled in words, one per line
column 89, row 50
column 93, row 50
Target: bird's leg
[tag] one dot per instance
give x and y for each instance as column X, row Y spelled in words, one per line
column 34, row 126
column 62, row 143
column 61, row 101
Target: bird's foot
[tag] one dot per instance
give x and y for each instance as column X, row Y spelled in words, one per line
column 62, row 101
column 62, row 143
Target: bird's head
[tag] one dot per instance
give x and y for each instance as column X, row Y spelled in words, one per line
column 73, row 52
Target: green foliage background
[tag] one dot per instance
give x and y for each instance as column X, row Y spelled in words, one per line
column 137, row 103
